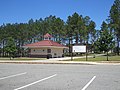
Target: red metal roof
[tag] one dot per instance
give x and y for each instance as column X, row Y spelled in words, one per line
column 47, row 35
column 45, row 43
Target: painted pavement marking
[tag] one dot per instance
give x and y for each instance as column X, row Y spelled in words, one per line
column 36, row 82
column 13, row 75
column 85, row 87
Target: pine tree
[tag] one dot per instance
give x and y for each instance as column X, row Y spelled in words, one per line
column 10, row 47
column 115, row 21
column 105, row 43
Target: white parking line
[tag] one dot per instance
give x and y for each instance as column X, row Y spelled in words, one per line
column 13, row 75
column 36, row 82
column 88, row 83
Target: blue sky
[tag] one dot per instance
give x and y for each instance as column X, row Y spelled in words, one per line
column 20, row 11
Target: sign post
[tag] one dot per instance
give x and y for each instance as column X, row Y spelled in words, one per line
column 86, row 53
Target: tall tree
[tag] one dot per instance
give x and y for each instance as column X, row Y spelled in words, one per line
column 58, row 25
column 10, row 47
column 81, row 28
column 87, row 28
column 115, row 21
column 105, row 42
column 75, row 28
column 73, row 23
column 69, row 33
column 92, row 33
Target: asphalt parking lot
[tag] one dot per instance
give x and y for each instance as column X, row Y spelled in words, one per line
column 59, row 77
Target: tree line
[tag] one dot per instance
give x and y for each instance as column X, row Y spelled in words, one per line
column 77, row 29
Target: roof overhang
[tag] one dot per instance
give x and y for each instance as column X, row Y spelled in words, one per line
column 44, row 47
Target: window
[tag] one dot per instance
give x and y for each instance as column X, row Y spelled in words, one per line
column 48, row 50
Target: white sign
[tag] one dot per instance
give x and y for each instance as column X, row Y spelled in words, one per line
column 81, row 49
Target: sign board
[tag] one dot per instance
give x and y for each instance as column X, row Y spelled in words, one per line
column 81, row 48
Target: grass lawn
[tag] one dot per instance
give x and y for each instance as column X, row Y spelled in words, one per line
column 100, row 58
column 22, row 58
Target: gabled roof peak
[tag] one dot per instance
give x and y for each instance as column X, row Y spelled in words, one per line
column 47, row 35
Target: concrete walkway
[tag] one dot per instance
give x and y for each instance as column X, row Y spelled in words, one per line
column 64, row 60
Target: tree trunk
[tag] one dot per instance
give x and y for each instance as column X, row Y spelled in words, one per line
column 69, row 47
column 19, row 51
column 59, row 38
column 107, row 56
column 117, row 46
column 3, row 52
column 87, row 50
column 76, row 39
column 80, row 39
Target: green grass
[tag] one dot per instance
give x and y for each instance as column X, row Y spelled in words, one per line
column 100, row 58
column 22, row 59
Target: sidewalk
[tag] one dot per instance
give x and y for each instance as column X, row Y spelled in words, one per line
column 60, row 62
column 63, row 60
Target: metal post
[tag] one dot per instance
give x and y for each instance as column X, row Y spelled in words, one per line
column 86, row 53
column 71, row 56
column 71, row 50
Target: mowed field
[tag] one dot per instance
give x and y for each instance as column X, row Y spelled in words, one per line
column 59, row 77
column 100, row 58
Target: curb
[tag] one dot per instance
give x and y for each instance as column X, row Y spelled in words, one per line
column 59, row 62
column 52, row 61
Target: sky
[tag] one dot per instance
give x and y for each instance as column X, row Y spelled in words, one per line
column 20, row 11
